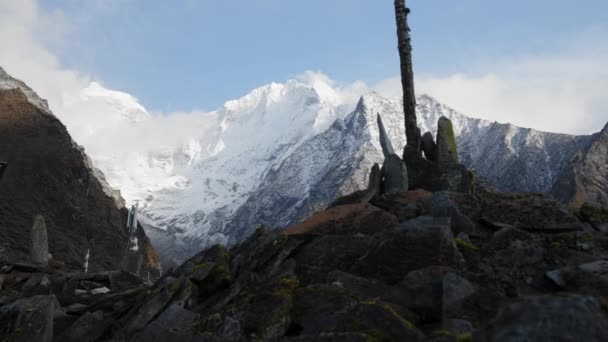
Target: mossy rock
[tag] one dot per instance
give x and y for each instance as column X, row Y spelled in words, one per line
column 592, row 214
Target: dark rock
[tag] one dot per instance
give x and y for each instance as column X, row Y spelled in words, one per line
column 28, row 319
column 52, row 175
column 328, row 253
column 210, row 269
column 40, row 242
column 549, row 318
column 584, row 179
column 429, row 147
column 372, row 191
column 89, row 327
column 321, row 308
column 331, row 337
column 174, row 324
column 363, row 287
column 447, row 153
column 266, row 315
column 394, row 173
column 434, row 292
column 504, row 237
column 346, row 219
column 153, row 305
column 385, row 142
column 441, row 205
column 404, row 205
column 90, row 285
column 411, row 248
column 598, row 217
column 589, row 278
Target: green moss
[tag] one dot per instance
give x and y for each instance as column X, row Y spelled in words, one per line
column 406, row 323
column 442, row 333
column 378, row 336
column 604, row 303
column 199, row 266
column 593, row 214
column 466, row 245
column 286, row 286
column 588, row 237
column 448, row 133
column 555, row 245
column 464, row 338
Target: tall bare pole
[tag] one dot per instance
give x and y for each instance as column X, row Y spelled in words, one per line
column 407, row 79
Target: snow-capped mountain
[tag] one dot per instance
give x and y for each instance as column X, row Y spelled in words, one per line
column 279, row 154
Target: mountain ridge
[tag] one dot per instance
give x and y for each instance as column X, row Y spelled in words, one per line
column 300, row 144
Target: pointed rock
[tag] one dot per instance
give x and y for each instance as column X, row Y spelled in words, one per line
column 385, row 142
column 429, row 147
column 40, row 242
column 447, row 153
column 374, row 186
column 394, row 172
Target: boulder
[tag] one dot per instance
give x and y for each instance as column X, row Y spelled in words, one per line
column 153, row 305
column 89, row 327
column 588, row 278
column 29, row 319
column 174, row 324
column 435, row 292
column 346, row 219
column 322, row 309
column 404, row 205
column 328, row 253
column 441, row 205
column 549, row 318
column 412, row 246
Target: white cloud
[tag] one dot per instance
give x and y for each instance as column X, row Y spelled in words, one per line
column 563, row 91
column 27, row 33
column 560, row 91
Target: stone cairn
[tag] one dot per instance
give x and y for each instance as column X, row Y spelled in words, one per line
column 438, row 169
column 40, row 242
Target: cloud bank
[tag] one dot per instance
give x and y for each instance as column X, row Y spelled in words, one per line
column 564, row 90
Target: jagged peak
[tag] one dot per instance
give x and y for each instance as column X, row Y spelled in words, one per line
column 9, row 82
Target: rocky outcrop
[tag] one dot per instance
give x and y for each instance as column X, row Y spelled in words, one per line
column 49, row 175
column 353, row 272
column 585, row 180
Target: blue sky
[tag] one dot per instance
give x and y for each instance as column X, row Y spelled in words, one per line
column 533, row 63
column 198, row 54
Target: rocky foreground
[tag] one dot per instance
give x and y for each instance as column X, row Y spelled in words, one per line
column 413, row 266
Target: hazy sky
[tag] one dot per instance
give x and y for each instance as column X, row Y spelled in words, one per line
column 536, row 63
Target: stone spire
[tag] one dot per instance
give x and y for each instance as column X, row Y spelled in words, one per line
column 385, row 142
column 407, row 79
column 447, row 152
column 394, row 170
column 40, row 242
